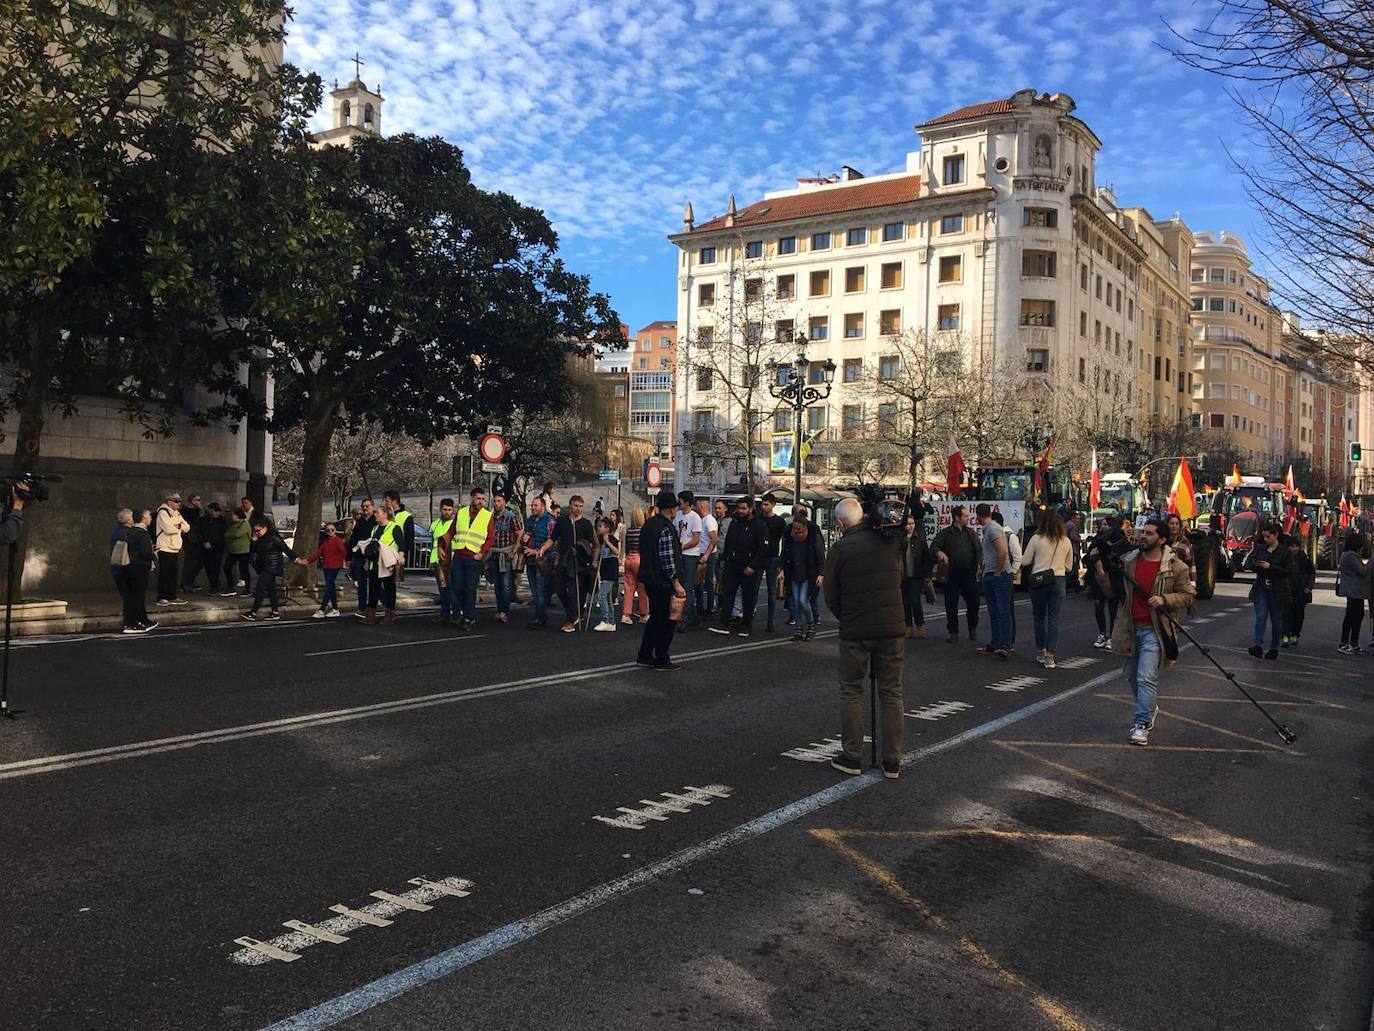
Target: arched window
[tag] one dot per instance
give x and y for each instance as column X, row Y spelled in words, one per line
column 367, row 114
column 345, row 112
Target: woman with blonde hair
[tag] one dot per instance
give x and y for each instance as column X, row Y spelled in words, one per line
column 630, row 567
column 1047, row 557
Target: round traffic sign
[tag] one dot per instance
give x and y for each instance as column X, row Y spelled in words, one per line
column 654, row 475
column 492, row 447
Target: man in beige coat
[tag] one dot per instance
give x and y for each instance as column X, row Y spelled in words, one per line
column 167, row 542
column 1144, row 632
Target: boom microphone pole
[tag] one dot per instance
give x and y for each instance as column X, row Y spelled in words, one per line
column 1284, row 733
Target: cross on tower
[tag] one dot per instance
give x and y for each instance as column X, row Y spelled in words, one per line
column 357, row 66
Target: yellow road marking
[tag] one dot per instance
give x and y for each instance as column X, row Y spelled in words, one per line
column 1056, row 1013
column 993, row 832
column 1124, row 745
column 1088, row 778
column 1228, row 701
column 1219, row 730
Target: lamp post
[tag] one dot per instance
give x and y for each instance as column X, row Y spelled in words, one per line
column 1037, row 440
column 789, row 385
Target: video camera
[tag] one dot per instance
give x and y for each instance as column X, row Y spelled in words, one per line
column 1110, row 546
column 885, row 514
column 30, row 486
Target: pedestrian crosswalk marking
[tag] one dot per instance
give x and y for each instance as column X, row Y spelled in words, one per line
column 821, row 751
column 1016, row 683
column 938, row 710
column 287, row 948
column 1077, row 662
column 659, row 810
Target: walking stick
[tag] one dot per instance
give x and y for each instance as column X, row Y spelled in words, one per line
column 873, row 703
column 596, row 582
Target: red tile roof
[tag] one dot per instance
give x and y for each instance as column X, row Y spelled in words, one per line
column 824, row 201
column 991, row 107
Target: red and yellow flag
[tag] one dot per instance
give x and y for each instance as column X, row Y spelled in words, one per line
column 1181, row 500
column 1234, row 481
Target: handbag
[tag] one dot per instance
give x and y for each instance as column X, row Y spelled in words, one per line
column 1046, row 577
column 119, row 554
column 677, row 607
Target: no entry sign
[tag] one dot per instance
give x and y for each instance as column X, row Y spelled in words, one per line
column 492, row 447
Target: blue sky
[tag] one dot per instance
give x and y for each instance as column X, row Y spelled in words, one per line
column 610, row 115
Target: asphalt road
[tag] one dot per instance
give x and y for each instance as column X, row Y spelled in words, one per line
column 563, row 840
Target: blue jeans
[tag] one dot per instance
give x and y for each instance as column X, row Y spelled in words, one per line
column 464, row 576
column 706, row 593
column 799, row 597
column 448, row 599
column 1046, row 603
column 997, row 592
column 605, row 606
column 539, row 590
column 504, row 582
column 689, row 579
column 330, row 597
column 1142, row 670
column 1267, row 610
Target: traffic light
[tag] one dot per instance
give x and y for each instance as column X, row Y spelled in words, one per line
column 1354, row 451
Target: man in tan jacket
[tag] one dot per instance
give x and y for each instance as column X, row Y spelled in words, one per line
column 1144, row 631
column 167, row 542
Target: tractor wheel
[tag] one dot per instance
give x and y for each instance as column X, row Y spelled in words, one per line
column 1206, row 573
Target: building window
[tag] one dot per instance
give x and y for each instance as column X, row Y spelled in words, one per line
column 853, row 370
column 856, row 237
column 951, row 224
column 820, row 241
column 783, row 331
column 1083, row 324
column 1097, row 288
column 818, row 327
column 786, row 287
column 1196, row 275
column 1197, row 304
column 954, row 170
column 1216, row 275
column 852, row 422
column 787, row 245
column 706, row 295
column 816, row 418
column 1083, row 277
column 820, row 283
column 706, row 336
column 783, row 421
column 891, row 275
column 887, row 419
column 706, row 256
column 1217, row 421
column 1217, row 304
column 1040, row 218
column 1130, row 310
column 1038, row 264
column 854, row 279
column 889, row 366
column 890, row 322
column 753, row 289
column 948, row 316
column 1035, row 312
column 1037, row 360
column 705, row 379
column 854, row 325
column 644, row 363
column 1082, row 370
column 893, row 231
column 952, row 269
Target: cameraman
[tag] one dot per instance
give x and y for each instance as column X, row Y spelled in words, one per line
column 13, row 519
column 1144, row 634
column 863, row 588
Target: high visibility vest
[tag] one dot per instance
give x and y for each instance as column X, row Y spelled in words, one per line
column 471, row 533
column 438, row 528
column 389, row 534
column 402, row 519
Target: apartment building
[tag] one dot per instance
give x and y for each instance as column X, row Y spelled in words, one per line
column 1241, row 382
column 1322, row 415
column 653, row 365
column 1165, row 390
column 994, row 241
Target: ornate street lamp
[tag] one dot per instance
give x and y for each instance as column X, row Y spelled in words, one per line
column 789, row 385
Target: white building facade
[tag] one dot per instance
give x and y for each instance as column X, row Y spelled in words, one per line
column 993, row 240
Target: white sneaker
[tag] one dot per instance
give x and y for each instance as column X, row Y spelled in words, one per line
column 604, row 627
column 1040, row 656
column 319, row 614
column 626, row 620
column 333, row 614
column 163, row 602
column 1344, row 649
column 1139, row 735
column 1049, row 660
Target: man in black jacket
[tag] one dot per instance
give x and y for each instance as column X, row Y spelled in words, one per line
column 863, row 588
column 212, row 530
column 743, row 558
column 776, row 526
column 192, row 542
column 362, row 531
column 575, row 541
column 660, row 577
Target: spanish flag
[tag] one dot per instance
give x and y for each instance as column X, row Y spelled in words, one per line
column 1181, row 498
column 1288, row 482
column 807, row 442
column 1234, row 481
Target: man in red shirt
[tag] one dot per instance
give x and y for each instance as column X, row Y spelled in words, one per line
column 1162, row 587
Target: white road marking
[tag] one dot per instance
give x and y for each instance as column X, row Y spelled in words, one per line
column 1077, row 662
column 336, row 929
column 450, row 961
column 1016, row 683
column 938, row 710
column 821, row 751
column 636, row 819
column 138, row 749
column 398, row 644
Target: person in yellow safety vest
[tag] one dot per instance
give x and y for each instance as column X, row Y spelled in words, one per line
column 402, row 517
column 441, row 560
column 381, row 583
column 473, row 534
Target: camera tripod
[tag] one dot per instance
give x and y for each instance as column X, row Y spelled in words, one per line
column 1287, row 736
column 5, row 711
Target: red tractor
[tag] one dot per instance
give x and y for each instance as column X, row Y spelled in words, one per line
column 1238, row 511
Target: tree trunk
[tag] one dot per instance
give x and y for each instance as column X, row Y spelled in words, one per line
column 28, row 440
column 319, row 429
